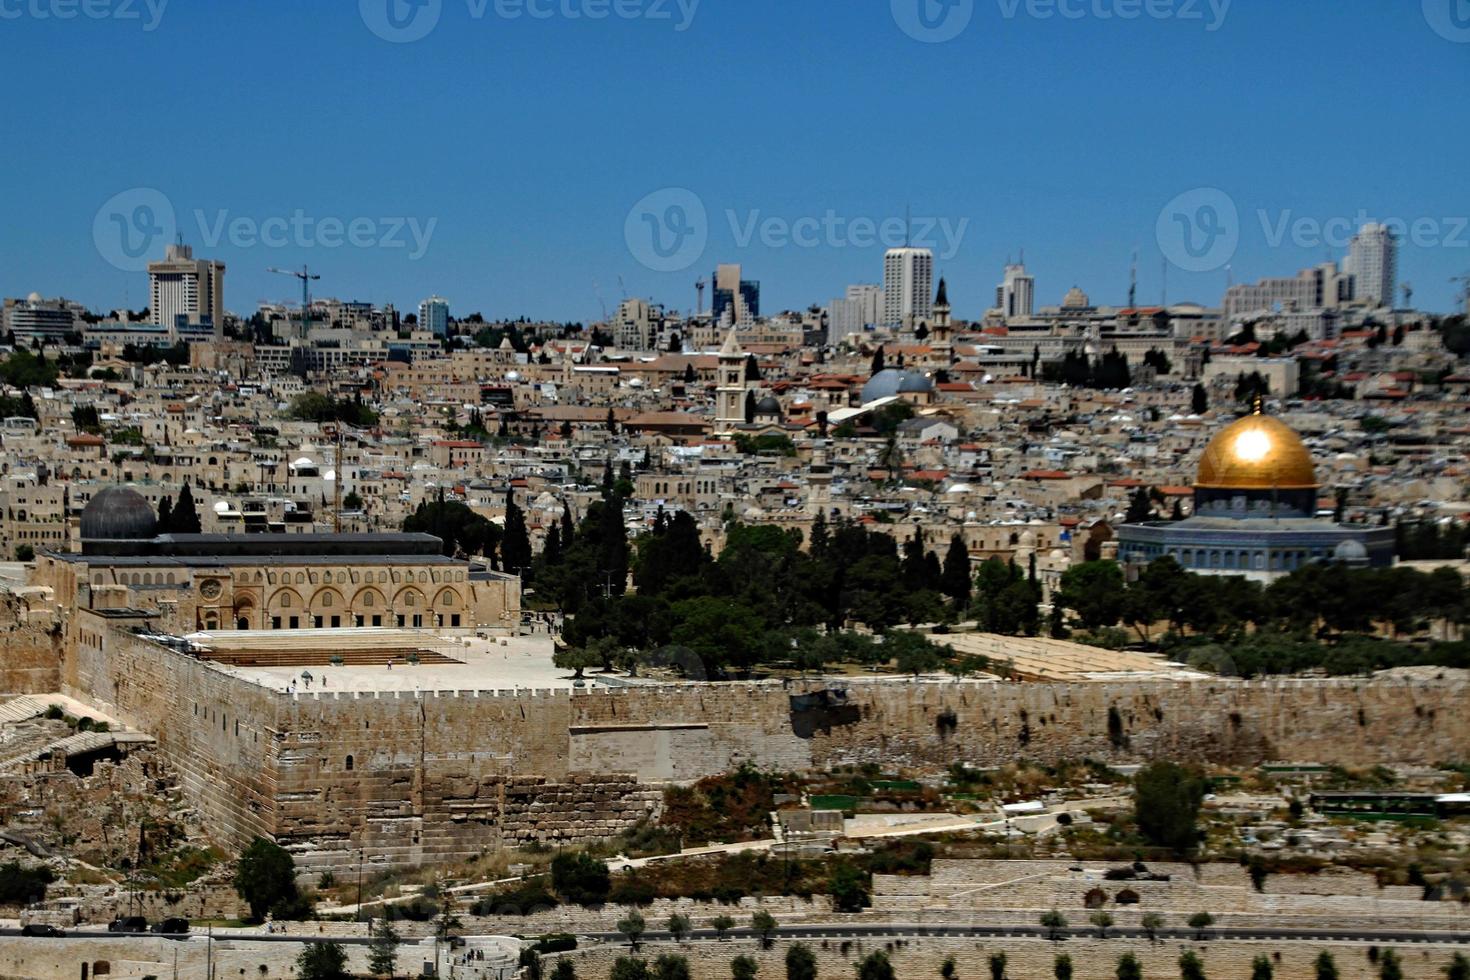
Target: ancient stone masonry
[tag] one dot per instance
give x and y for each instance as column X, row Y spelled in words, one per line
column 30, row 658
column 413, row 777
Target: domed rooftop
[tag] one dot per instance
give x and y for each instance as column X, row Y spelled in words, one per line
column 768, row 406
column 118, row 513
column 1257, row 452
column 893, row 381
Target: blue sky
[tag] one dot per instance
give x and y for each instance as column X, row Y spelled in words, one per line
column 517, row 145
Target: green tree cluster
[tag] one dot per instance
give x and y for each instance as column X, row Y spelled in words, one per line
column 762, row 600
column 463, row 532
column 313, row 406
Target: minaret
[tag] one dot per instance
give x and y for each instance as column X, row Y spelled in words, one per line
column 730, row 395
column 819, row 483
column 942, row 332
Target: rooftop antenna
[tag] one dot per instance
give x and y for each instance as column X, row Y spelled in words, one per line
column 908, row 226
column 1408, row 291
column 600, row 301
column 699, row 288
column 1133, row 281
column 1164, row 287
column 1464, row 296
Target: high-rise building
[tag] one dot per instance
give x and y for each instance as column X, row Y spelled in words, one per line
column 183, row 286
column 908, row 286
column 1321, row 287
column 47, row 320
column 636, row 327
column 861, row 309
column 1373, row 262
column 731, row 290
column 1015, row 297
column 434, row 316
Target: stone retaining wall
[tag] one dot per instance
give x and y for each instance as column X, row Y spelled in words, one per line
column 1032, row 959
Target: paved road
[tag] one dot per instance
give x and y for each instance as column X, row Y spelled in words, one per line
column 253, row 937
column 909, row 931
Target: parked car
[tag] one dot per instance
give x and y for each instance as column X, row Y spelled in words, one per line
column 41, row 929
column 128, row 923
column 173, row 927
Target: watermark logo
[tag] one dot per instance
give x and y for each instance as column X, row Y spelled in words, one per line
column 942, row 236
column 1210, row 13
column 131, row 229
column 932, row 21
column 667, row 231
column 148, row 13
column 405, row 21
column 1450, row 19
column 400, row 21
column 129, row 226
column 1305, row 231
column 1199, row 230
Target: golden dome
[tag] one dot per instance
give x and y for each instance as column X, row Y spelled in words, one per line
column 1257, row 452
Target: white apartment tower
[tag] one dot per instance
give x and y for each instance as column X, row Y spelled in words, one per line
column 182, row 285
column 908, row 286
column 861, row 309
column 1015, row 297
column 1373, row 261
column 434, row 316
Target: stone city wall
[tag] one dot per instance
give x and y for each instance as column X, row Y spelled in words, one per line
column 142, row 956
column 414, row 777
column 30, row 659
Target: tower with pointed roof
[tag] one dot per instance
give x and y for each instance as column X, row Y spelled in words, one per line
column 942, row 334
column 730, row 393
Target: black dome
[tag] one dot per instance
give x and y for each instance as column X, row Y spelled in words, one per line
column 118, row 513
column 768, row 406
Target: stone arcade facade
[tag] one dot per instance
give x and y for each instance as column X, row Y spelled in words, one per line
column 214, row 582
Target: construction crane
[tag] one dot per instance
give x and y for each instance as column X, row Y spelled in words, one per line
column 306, row 276
column 1408, row 290
column 699, row 285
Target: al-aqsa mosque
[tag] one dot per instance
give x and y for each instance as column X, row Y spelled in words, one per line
column 1255, row 507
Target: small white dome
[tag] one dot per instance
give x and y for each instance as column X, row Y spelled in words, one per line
column 221, row 507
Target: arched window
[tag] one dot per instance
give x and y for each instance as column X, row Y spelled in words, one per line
column 286, row 601
column 367, row 599
column 326, row 600
column 349, row 763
